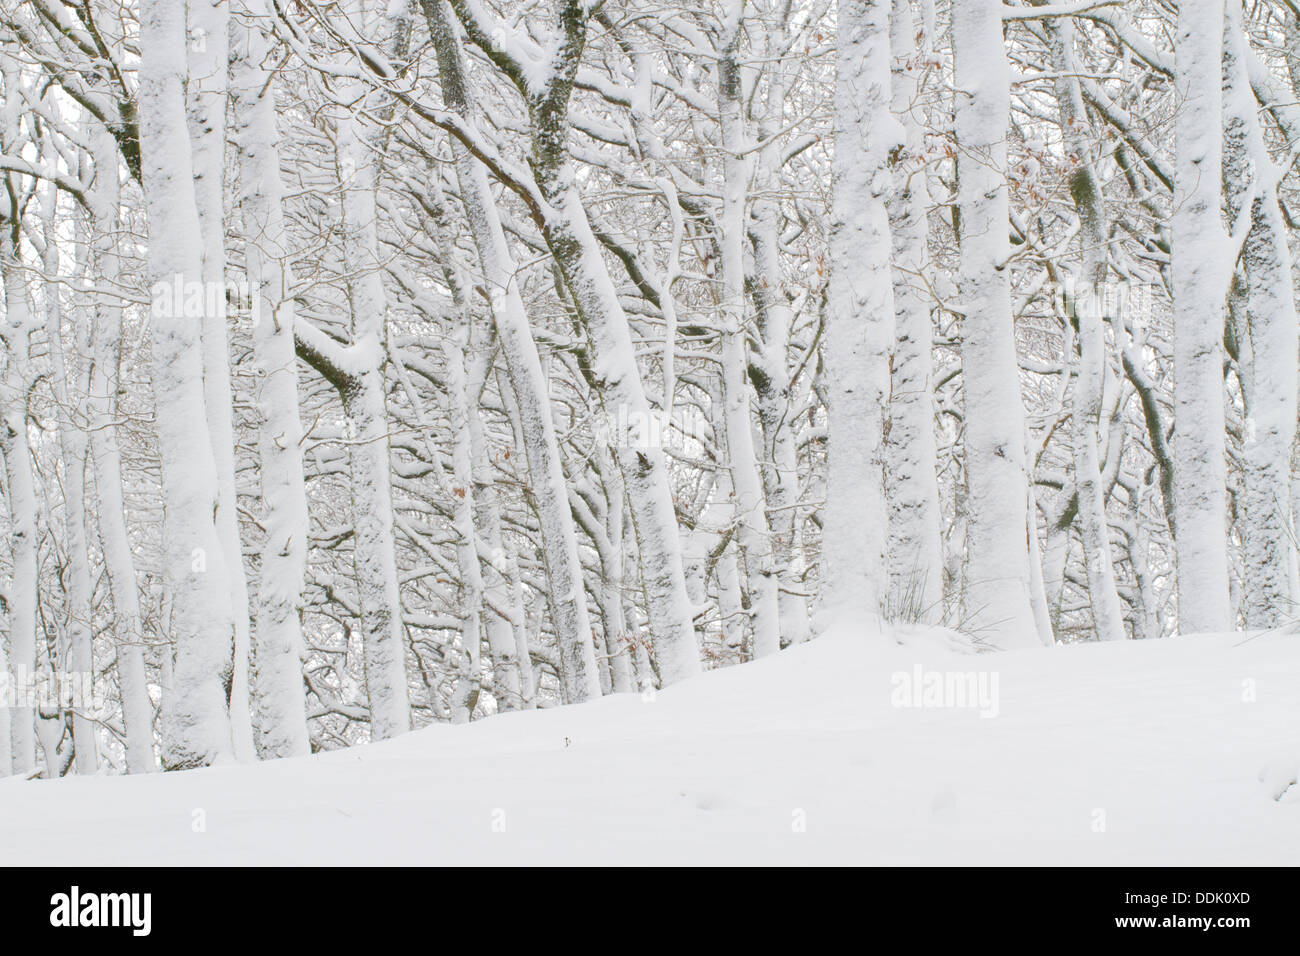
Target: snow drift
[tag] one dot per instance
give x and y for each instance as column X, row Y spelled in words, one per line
column 1162, row 752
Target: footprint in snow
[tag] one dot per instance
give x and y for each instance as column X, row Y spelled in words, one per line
column 943, row 808
column 707, row 800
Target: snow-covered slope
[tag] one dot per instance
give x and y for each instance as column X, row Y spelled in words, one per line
column 1134, row 753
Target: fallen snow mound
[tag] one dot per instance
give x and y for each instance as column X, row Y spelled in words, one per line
column 1164, row 752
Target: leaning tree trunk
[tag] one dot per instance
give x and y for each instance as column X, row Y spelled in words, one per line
column 578, row 669
column 557, row 207
column 645, row 467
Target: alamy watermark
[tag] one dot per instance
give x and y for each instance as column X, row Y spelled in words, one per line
column 960, row 689
column 644, row 429
column 127, row 910
column 1112, row 298
column 50, row 692
column 182, row 298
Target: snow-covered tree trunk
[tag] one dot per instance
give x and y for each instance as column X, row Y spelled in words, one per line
column 206, row 99
column 1268, row 356
column 752, row 534
column 368, row 447
column 523, row 637
column 860, row 319
column 69, row 387
column 463, row 521
column 357, row 372
column 6, row 722
column 196, row 720
column 276, row 680
column 912, row 483
column 769, row 370
column 1146, row 616
column 456, row 487
column 1200, row 285
column 103, row 410
column 599, row 512
column 114, row 537
column 1055, row 556
column 1037, row 585
column 1291, row 31
column 463, row 394
column 1085, row 305
column 617, row 639
column 770, row 374
column 716, row 547
column 489, row 605
column 997, row 594
column 506, row 634
column 19, row 324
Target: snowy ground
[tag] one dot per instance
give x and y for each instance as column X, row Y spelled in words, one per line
column 1136, row 753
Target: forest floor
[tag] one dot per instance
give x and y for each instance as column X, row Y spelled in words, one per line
column 1164, row 752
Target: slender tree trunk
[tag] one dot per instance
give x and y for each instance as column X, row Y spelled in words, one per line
column 463, row 511
column 617, row 638
column 114, row 538
column 19, row 325
column 770, row 374
column 1037, row 584
column 206, row 113
column 507, row 637
column 276, row 679
column 912, row 486
column 1085, row 302
column 462, row 396
column 769, row 369
column 369, row 449
column 752, row 533
column 69, row 387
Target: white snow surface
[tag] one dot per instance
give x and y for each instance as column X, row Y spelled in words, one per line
column 1161, row 737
